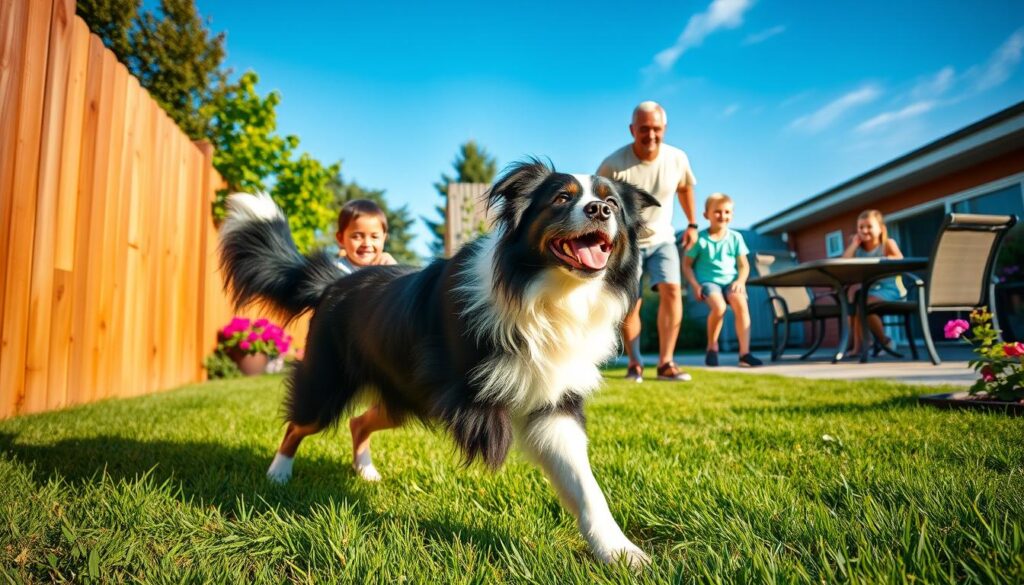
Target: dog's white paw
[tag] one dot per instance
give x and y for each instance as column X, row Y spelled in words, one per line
column 632, row 556
column 367, row 472
column 280, row 469
column 627, row 553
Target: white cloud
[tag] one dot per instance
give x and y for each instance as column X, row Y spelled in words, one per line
column 934, row 86
column 730, row 110
column 764, row 35
column 720, row 14
column 1001, row 64
column 824, row 117
column 886, row 118
column 795, row 98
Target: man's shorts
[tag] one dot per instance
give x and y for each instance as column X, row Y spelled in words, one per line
column 660, row 264
column 712, row 288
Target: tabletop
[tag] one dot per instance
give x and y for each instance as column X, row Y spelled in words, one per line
column 829, row 272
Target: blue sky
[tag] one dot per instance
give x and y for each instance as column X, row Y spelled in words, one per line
column 773, row 101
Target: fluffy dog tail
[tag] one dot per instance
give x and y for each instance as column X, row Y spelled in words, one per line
column 262, row 264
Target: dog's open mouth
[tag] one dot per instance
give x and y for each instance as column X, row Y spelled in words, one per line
column 586, row 252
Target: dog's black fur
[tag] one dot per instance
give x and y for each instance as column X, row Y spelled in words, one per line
column 417, row 338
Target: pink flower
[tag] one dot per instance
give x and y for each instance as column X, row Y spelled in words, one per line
column 253, row 336
column 987, row 375
column 260, row 323
column 956, row 328
column 1015, row 349
column 245, row 345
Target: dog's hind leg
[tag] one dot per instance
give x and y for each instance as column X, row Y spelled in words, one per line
column 556, row 441
column 362, row 426
column 281, row 467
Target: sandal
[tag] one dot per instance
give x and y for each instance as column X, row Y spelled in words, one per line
column 669, row 372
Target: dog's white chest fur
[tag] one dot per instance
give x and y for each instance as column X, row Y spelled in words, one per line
column 550, row 342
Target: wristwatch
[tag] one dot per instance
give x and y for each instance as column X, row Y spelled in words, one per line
column 692, row 225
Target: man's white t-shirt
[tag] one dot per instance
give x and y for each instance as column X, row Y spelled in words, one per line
column 660, row 177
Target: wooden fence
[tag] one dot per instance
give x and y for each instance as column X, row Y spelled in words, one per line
column 107, row 248
column 466, row 215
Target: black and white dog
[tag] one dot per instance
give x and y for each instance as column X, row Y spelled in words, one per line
column 500, row 342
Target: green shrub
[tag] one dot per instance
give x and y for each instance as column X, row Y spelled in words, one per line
column 219, row 365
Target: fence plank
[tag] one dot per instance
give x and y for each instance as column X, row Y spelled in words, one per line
column 132, row 340
column 23, row 208
column 50, row 148
column 67, row 211
column 13, row 16
column 117, row 243
column 78, row 387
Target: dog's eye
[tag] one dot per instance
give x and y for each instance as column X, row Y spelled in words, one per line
column 612, row 202
column 562, row 197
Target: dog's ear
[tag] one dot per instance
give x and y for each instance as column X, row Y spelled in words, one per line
column 510, row 195
column 645, row 199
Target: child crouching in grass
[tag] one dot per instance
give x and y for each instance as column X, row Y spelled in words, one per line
column 716, row 268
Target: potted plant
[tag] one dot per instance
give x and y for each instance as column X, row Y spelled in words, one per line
column 1000, row 365
column 251, row 344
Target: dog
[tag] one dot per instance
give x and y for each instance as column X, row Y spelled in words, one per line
column 501, row 342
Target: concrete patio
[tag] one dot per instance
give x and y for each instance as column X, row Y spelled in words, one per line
column 952, row 371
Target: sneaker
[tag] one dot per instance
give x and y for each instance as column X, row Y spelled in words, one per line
column 635, row 374
column 711, row 358
column 748, row 360
column 670, row 372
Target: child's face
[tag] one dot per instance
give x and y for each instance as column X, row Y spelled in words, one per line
column 869, row 230
column 719, row 214
column 363, row 240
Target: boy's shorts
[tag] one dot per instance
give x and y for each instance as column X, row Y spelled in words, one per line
column 710, row 288
column 660, row 264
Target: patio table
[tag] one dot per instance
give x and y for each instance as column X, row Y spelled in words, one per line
column 838, row 274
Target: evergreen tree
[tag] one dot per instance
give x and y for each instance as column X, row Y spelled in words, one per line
column 472, row 165
column 399, row 221
column 170, row 52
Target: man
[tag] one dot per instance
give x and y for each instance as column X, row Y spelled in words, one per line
column 663, row 171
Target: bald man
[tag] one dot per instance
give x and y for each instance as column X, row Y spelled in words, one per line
column 663, row 171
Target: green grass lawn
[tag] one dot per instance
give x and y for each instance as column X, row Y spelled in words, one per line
column 726, row 478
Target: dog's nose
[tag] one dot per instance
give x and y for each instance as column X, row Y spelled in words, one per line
column 598, row 210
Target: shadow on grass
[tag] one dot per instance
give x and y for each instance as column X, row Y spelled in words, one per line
column 204, row 473
column 893, row 403
column 210, row 473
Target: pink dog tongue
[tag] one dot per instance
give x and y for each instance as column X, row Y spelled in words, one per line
column 591, row 256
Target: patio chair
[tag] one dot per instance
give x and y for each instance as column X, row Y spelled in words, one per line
column 959, row 272
column 793, row 304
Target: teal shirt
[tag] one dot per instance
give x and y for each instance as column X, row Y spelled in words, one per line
column 715, row 261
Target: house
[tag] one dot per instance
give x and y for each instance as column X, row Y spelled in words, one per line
column 977, row 169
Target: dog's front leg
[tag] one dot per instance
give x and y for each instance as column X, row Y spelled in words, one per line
column 557, row 442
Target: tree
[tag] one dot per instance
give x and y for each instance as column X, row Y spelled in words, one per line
column 111, row 21
column 399, row 220
column 243, row 130
column 170, row 52
column 250, row 156
column 472, row 165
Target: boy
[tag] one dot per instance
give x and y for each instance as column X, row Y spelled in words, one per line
column 716, row 268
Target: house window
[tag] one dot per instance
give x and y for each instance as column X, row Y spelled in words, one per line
column 834, row 243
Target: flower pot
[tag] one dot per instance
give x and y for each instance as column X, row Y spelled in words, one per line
column 251, row 364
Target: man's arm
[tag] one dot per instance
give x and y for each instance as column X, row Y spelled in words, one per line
column 691, row 277
column 685, row 193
